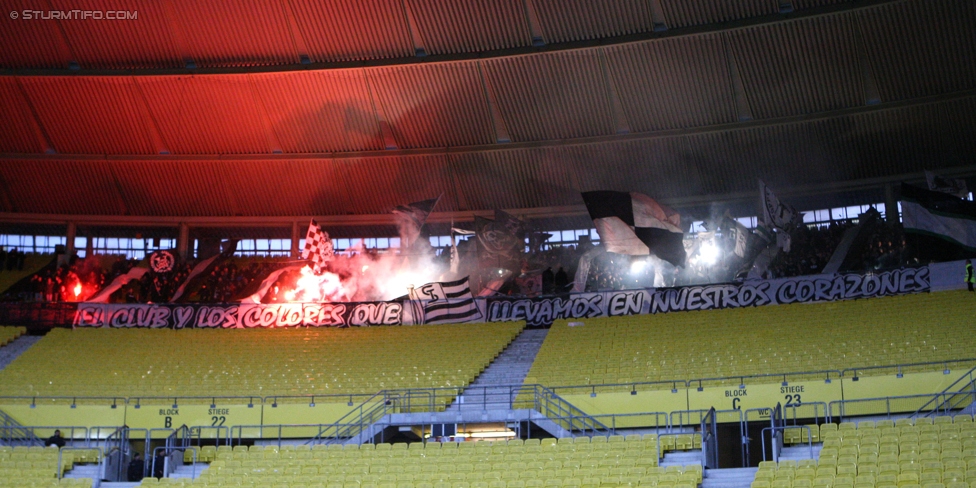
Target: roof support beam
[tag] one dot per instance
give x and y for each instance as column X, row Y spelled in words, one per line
column 868, row 82
column 742, row 108
column 498, row 122
column 532, row 19
column 620, row 124
column 657, row 16
column 418, row 42
column 42, row 138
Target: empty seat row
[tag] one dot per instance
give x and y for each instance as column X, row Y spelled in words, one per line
column 937, row 452
column 579, row 462
column 258, row 362
column 941, row 426
column 658, row 347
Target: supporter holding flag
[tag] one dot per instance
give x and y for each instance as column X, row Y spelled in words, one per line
column 952, row 186
column 447, row 302
column 778, row 215
column 410, row 220
column 318, row 248
column 636, row 225
column 940, row 226
column 198, row 276
column 455, row 257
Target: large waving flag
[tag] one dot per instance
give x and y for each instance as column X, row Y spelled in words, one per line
column 952, row 186
column 135, row 273
column 635, row 224
column 318, row 247
column 448, row 302
column 776, row 213
column 411, row 218
column 455, row 257
column 201, row 271
column 940, row 226
column 498, row 245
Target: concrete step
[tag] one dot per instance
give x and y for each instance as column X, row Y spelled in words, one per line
column 192, row 471
column 799, row 452
column 84, row 471
column 89, row 471
column 18, row 346
column 728, row 478
column 681, row 458
column 508, row 369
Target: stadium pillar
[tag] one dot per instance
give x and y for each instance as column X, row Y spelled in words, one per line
column 295, row 236
column 69, row 241
column 891, row 204
column 183, row 241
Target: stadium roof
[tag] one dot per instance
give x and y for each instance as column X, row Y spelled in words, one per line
column 300, row 108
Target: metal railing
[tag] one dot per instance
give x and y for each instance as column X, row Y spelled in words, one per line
column 841, row 409
column 356, row 421
column 428, row 399
column 193, row 400
column 709, row 432
column 794, row 412
column 71, row 400
column 565, row 414
column 238, row 433
column 197, row 434
column 900, row 368
column 967, row 390
column 101, row 457
column 36, row 435
column 773, row 435
column 648, row 420
column 12, row 429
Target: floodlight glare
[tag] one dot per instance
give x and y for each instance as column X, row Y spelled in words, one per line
column 708, row 253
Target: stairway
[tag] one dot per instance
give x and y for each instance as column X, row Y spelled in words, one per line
column 492, row 389
column 191, row 471
column 16, row 347
column 90, row 471
column 799, row 452
column 729, row 478
column 681, row 458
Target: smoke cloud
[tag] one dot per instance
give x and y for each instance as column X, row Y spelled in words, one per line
column 358, row 274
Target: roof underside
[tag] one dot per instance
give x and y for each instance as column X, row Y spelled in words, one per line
column 845, row 95
column 172, row 33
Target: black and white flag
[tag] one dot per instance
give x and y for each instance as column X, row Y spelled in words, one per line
column 635, row 224
column 318, row 247
column 740, row 234
column 455, row 257
column 448, row 302
column 941, row 226
column 952, row 186
column 410, row 219
column 776, row 213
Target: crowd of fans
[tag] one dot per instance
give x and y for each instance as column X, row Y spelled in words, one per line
column 11, row 260
column 71, row 282
column 155, row 287
column 812, row 248
column 546, row 271
column 226, row 282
